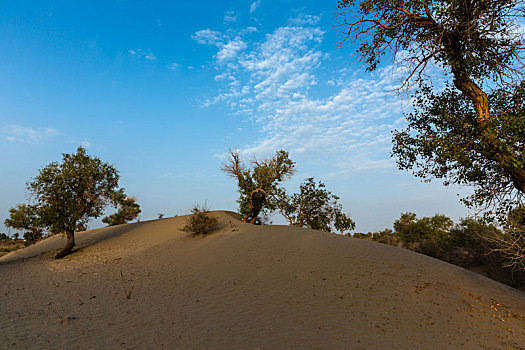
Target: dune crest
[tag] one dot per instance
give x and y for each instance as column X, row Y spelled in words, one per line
column 247, row 287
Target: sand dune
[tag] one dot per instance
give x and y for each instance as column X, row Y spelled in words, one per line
column 247, row 287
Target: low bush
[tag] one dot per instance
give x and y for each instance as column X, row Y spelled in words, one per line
column 8, row 245
column 200, row 222
column 472, row 243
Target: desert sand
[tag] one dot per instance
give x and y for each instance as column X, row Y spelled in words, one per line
column 246, row 287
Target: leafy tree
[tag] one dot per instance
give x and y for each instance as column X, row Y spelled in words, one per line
column 70, row 193
column 443, row 140
column 128, row 210
column 26, row 217
column 258, row 185
column 463, row 134
column 410, row 229
column 314, row 207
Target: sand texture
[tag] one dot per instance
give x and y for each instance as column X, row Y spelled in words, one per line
column 247, row 287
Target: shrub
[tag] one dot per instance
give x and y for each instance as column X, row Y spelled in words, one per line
column 201, row 221
column 28, row 218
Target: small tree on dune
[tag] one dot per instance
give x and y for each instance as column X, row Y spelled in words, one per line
column 314, row 207
column 258, row 186
column 70, row 193
column 26, row 217
column 128, row 210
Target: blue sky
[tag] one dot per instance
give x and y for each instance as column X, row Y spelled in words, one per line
column 162, row 90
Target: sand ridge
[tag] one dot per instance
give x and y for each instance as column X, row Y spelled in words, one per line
column 247, row 287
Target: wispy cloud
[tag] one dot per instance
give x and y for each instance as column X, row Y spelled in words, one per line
column 17, row 133
column 230, row 17
column 278, row 81
column 254, row 6
column 146, row 54
column 208, row 36
column 173, row 66
column 230, row 49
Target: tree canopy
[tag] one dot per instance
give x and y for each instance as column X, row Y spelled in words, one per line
column 71, row 192
column 258, row 185
column 443, row 140
column 472, row 132
column 314, row 207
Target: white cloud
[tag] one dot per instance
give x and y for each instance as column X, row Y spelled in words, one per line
column 275, row 81
column 228, row 46
column 146, row 54
column 254, row 6
column 173, row 66
column 150, row 56
column 230, row 17
column 230, row 49
column 208, row 36
column 17, row 133
column 303, row 19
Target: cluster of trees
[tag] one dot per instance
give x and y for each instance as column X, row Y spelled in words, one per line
column 67, row 195
column 261, row 193
column 472, row 131
column 471, row 243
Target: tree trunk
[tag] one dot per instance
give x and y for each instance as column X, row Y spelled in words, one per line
column 478, row 97
column 462, row 80
column 70, row 236
column 518, row 180
column 257, row 198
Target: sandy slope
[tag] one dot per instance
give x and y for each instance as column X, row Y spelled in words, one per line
column 247, row 287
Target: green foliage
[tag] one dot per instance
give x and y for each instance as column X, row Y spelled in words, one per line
column 500, row 253
column 409, row 229
column 27, row 218
column 258, row 185
column 443, row 140
column 516, row 220
column 386, row 236
column 70, row 193
column 128, row 210
column 9, row 245
column 314, row 207
column 200, row 221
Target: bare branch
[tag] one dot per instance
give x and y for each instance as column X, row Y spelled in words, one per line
column 233, row 166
